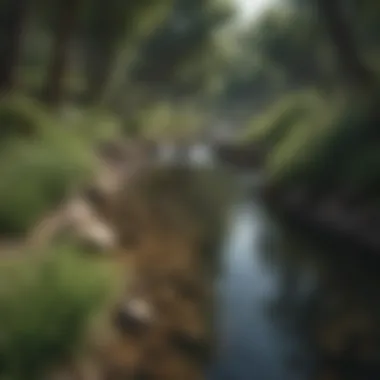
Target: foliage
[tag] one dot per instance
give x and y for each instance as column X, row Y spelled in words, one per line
column 268, row 128
column 290, row 41
column 186, row 54
column 40, row 162
column 284, row 50
column 35, row 178
column 326, row 144
column 163, row 120
column 94, row 125
column 320, row 139
column 111, row 34
column 47, row 303
column 21, row 117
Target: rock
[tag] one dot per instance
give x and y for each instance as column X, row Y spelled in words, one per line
column 97, row 237
column 88, row 229
column 78, row 211
column 134, row 317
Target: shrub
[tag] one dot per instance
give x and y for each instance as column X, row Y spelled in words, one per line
column 21, row 117
column 36, row 177
column 47, row 305
column 276, row 123
column 92, row 126
column 327, row 145
column 41, row 159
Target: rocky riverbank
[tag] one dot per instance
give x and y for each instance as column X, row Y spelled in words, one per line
column 160, row 226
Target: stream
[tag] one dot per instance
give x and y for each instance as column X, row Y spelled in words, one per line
column 290, row 306
column 250, row 343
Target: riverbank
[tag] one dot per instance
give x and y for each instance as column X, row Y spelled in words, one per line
column 354, row 228
column 160, row 226
column 322, row 165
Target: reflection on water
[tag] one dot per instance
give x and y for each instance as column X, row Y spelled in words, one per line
column 293, row 310
column 250, row 341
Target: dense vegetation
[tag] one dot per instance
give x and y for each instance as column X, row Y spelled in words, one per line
column 48, row 304
column 320, row 130
column 75, row 74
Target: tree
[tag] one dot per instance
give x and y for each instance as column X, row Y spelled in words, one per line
column 111, row 31
column 280, row 52
column 66, row 17
column 184, row 56
column 12, row 18
column 342, row 37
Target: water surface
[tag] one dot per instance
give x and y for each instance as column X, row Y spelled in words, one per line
column 291, row 308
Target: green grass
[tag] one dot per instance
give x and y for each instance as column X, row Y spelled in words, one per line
column 47, row 303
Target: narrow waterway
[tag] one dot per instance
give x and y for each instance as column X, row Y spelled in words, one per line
column 290, row 308
column 250, row 342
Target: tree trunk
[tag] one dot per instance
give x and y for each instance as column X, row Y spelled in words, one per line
column 66, row 22
column 12, row 17
column 98, row 63
column 339, row 30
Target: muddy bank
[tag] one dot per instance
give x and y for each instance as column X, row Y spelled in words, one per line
column 162, row 241
column 161, row 225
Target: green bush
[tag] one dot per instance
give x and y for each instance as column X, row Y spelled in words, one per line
column 95, row 125
column 325, row 144
column 47, row 303
column 276, row 123
column 36, row 177
column 21, row 117
column 41, row 159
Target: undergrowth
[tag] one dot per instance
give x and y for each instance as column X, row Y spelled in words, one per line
column 47, row 303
